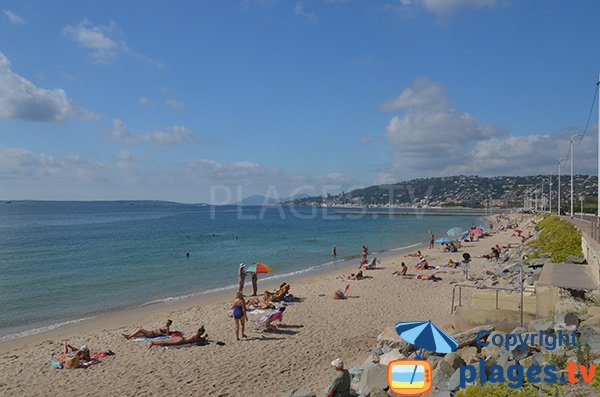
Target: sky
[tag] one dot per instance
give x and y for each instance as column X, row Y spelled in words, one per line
column 206, row 101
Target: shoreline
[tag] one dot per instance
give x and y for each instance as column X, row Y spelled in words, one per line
column 315, row 330
column 31, row 335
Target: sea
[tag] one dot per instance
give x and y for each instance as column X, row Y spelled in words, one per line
column 65, row 262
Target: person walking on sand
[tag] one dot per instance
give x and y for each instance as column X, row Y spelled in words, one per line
column 239, row 315
column 254, row 283
column 334, row 251
column 242, row 277
column 340, row 385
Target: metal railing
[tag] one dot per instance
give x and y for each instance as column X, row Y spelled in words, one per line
column 497, row 289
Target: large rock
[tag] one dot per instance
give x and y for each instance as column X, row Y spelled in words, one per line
column 468, row 354
column 454, row 381
column 454, row 359
column 434, row 361
column 575, row 259
column 594, row 311
column 373, row 378
column 378, row 393
column 566, row 318
column 541, row 325
column 468, row 338
column 299, row 393
column 386, row 358
column 441, row 374
column 491, row 349
column 357, row 370
column 389, row 337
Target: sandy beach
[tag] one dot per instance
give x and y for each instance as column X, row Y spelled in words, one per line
column 315, row 330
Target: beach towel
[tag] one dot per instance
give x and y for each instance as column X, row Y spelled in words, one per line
column 144, row 339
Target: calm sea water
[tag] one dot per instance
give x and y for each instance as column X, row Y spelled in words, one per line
column 62, row 261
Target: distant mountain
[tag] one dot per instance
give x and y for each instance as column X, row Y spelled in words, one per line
column 262, row 200
column 467, row 191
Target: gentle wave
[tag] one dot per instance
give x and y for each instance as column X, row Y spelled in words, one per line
column 40, row 330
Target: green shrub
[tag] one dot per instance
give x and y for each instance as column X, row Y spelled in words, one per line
column 557, row 236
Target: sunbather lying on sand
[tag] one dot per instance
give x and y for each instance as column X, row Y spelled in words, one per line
column 199, row 338
column 255, row 301
column 352, row 276
column 339, row 294
column 150, row 334
column 83, row 352
column 432, row 277
column 416, row 254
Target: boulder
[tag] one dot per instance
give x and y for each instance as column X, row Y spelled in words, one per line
column 454, row 359
column 541, row 325
column 390, row 338
column 468, row 354
column 434, row 361
column 566, row 318
column 441, row 374
column 490, row 350
column 468, row 338
column 386, row 358
column 378, row 393
column 373, row 378
column 444, row 393
column 546, row 255
column 594, row 311
column 575, row 259
column 299, row 393
column 357, row 370
column 454, row 381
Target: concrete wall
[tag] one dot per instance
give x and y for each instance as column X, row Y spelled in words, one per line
column 591, row 252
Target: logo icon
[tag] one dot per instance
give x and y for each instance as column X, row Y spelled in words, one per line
column 413, row 377
column 409, row 377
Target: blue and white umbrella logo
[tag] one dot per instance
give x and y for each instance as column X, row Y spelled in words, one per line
column 427, row 336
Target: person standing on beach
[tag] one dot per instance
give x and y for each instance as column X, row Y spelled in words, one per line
column 465, row 264
column 340, row 385
column 254, row 283
column 239, row 315
column 334, row 251
column 242, row 277
column 431, row 240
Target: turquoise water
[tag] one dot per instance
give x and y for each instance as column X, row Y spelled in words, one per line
column 61, row 261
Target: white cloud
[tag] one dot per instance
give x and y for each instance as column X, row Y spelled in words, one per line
column 365, row 140
column 173, row 135
column 95, row 38
column 300, row 10
column 28, row 175
column 14, row 18
column 146, row 102
column 102, row 42
column 21, row 99
column 432, row 138
column 442, row 8
column 174, row 104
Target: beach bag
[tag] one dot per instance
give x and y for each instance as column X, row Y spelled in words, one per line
column 71, row 362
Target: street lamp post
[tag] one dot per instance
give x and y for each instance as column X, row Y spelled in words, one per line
column 581, row 201
column 571, row 156
column 550, row 198
column 558, row 209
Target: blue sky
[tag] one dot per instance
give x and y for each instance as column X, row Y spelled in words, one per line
column 148, row 100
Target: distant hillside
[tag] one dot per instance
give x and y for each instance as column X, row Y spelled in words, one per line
column 262, row 200
column 467, row 191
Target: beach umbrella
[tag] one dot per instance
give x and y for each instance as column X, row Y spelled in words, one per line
column 259, row 268
column 443, row 240
column 427, row 336
column 455, row 231
column 478, row 231
column 465, row 235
